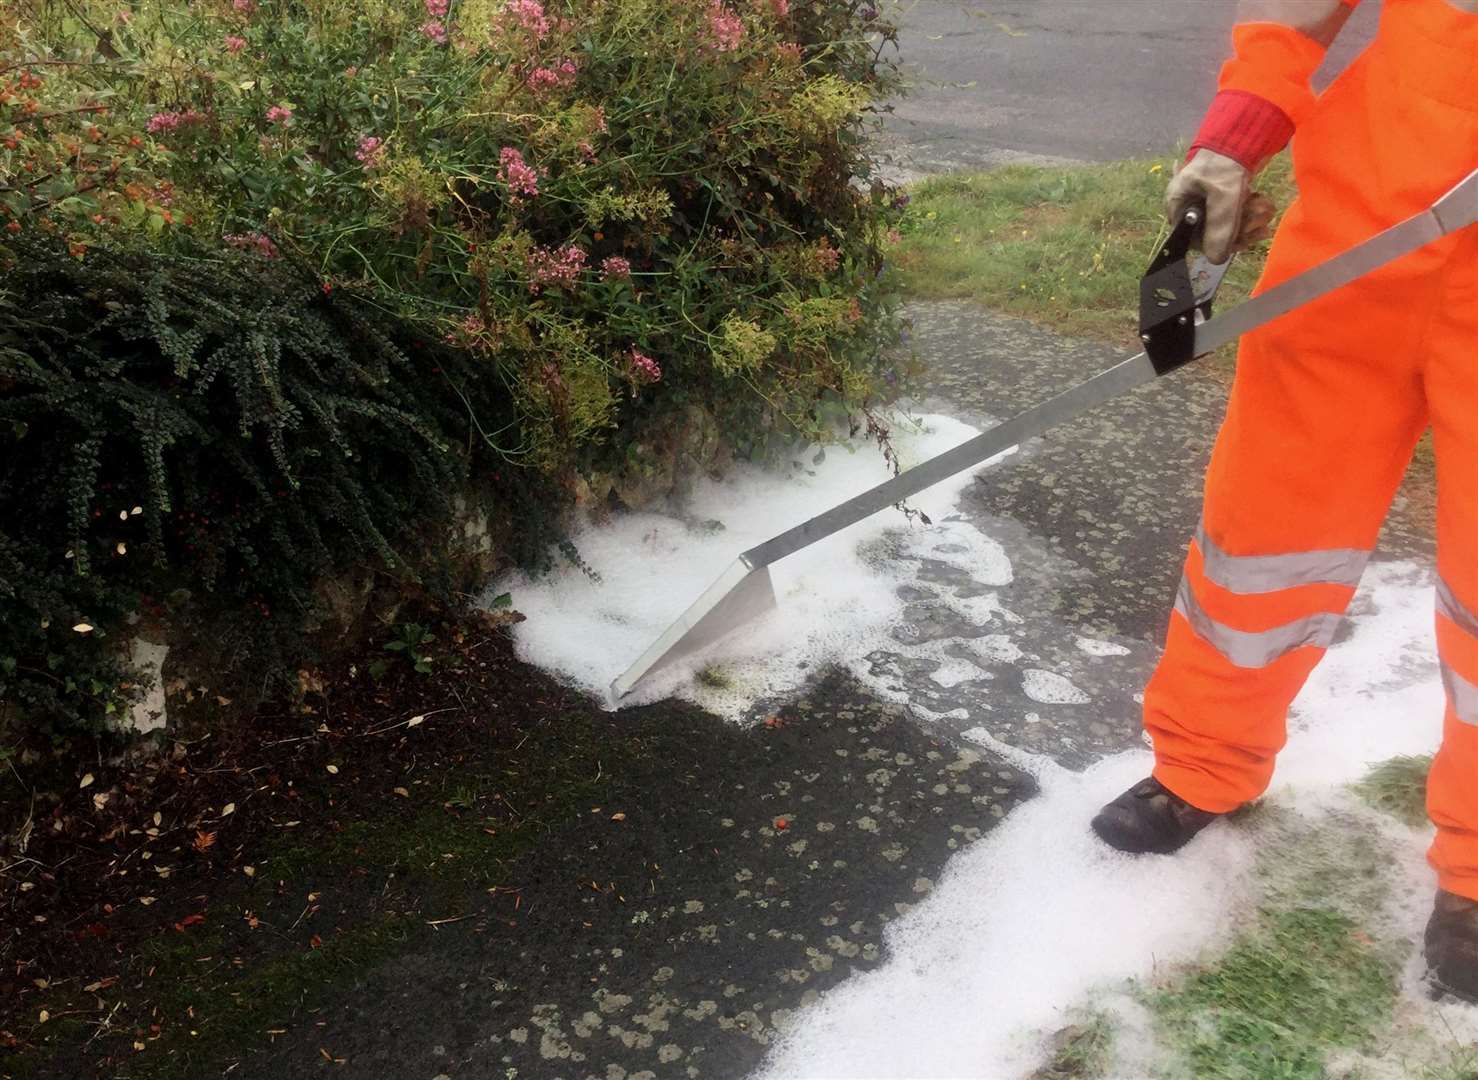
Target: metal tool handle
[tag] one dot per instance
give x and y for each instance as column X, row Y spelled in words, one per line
column 1456, row 210
column 1459, row 207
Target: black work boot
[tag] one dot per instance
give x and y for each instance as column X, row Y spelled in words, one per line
column 1150, row 819
column 1452, row 946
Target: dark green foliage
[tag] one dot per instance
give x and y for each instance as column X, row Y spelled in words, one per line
column 206, row 439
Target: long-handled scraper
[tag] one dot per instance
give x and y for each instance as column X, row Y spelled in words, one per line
column 1176, row 327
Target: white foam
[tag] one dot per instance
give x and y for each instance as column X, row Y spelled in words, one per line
column 1038, row 916
column 1094, row 647
column 1050, row 688
column 837, row 599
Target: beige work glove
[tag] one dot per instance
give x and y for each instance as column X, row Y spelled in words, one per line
column 1236, row 216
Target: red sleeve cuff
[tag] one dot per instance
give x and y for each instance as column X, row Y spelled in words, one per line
column 1244, row 127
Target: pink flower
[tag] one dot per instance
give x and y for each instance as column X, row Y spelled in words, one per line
column 827, row 257
column 530, row 15
column 246, row 7
column 615, row 267
column 789, row 51
column 162, row 122
column 258, row 243
column 437, row 9
column 643, row 367
column 435, row 31
column 371, row 151
column 561, row 268
column 521, row 177
column 279, row 114
column 725, row 27
column 235, row 44
column 547, row 78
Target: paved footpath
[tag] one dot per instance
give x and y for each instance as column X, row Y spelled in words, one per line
column 745, row 924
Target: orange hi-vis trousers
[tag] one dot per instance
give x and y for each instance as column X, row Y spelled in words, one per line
column 1326, row 409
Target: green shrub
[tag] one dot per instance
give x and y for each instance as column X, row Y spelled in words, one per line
column 204, row 440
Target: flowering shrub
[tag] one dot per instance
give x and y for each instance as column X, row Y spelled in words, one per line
column 614, row 212
column 626, row 176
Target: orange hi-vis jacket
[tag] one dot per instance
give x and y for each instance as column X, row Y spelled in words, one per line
column 1327, row 407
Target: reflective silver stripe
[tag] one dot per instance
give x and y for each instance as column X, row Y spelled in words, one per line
column 1462, row 694
column 1255, row 650
column 1449, row 605
column 1249, row 574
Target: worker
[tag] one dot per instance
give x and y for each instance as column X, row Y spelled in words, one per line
column 1326, row 409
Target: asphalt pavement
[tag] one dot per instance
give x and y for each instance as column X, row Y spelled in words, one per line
column 999, row 81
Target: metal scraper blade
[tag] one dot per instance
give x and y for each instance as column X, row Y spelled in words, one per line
column 740, row 595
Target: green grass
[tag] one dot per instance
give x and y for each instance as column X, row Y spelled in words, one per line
column 1080, row 1051
column 1306, row 977
column 1303, row 982
column 1399, row 788
column 1062, row 245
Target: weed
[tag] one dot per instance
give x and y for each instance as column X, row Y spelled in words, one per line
column 713, row 678
column 1399, row 788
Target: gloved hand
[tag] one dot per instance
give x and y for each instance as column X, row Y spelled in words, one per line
column 1236, row 216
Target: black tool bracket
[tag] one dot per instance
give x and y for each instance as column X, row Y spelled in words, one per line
column 1174, row 295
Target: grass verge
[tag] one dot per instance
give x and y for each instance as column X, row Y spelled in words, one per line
column 1065, row 246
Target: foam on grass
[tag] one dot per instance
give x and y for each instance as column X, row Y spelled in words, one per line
column 838, row 599
column 1038, row 917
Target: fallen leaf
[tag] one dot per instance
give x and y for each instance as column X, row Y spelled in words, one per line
column 86, row 780
column 147, row 900
column 83, row 628
column 136, row 510
column 618, row 817
column 415, row 721
column 40, row 984
column 228, row 809
column 333, row 770
column 100, row 800
column 403, row 793
column 203, row 840
column 138, row 1046
column 157, row 818
column 45, row 1016
column 27, row 886
column 249, row 871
